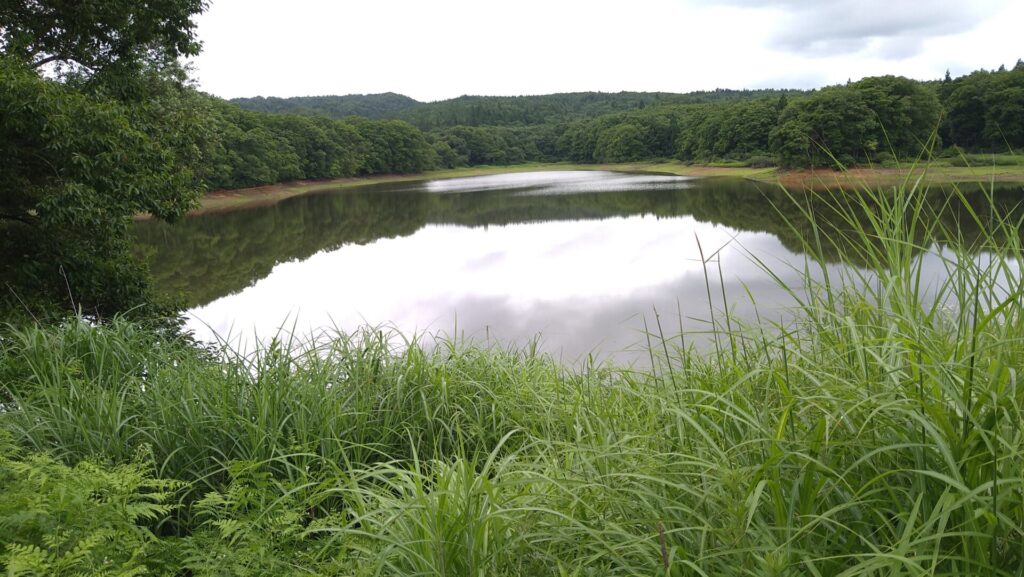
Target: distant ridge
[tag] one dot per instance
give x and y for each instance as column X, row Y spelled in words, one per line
column 491, row 110
column 386, row 105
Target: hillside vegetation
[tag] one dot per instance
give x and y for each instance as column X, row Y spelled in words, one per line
column 876, row 120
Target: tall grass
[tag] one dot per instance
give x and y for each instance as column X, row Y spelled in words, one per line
column 877, row 433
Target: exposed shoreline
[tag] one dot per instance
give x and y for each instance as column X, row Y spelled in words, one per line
column 234, row 199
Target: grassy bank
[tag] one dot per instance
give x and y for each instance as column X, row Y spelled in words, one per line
column 876, row 434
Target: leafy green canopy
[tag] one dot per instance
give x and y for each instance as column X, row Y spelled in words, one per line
column 114, row 135
column 97, row 34
column 985, row 110
column 76, row 168
column 875, row 120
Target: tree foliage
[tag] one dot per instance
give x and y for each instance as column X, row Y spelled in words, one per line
column 876, row 119
column 95, row 127
column 246, row 148
column 77, row 167
column 855, row 123
column 985, row 110
column 97, row 35
column 375, row 106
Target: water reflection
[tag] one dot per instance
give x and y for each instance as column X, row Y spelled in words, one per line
column 582, row 258
column 551, row 183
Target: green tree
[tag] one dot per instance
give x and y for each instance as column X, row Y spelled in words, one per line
column 620, row 143
column 474, row 145
column 116, row 135
column 1004, row 111
column 984, row 111
column 99, row 35
column 832, row 124
column 392, row 146
column 907, row 113
column 578, row 141
column 965, row 114
column 1004, row 117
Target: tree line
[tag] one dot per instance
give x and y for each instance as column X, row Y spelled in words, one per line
column 489, row 110
column 242, row 148
column 874, row 120
column 877, row 120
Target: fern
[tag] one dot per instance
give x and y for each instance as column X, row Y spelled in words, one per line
column 259, row 525
column 79, row 521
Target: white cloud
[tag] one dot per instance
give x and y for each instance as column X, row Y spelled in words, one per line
column 442, row 49
column 892, row 28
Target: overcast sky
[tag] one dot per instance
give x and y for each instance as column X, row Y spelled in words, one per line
column 445, row 48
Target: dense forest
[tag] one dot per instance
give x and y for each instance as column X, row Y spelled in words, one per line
column 490, row 110
column 385, row 105
column 879, row 120
column 875, row 120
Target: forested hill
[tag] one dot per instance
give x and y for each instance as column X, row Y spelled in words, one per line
column 387, row 105
column 875, row 120
column 491, row 110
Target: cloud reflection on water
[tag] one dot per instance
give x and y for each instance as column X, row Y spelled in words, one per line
column 584, row 286
column 584, row 264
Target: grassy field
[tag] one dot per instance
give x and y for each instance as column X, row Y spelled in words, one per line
column 879, row 433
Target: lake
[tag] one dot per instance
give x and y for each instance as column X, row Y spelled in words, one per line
column 579, row 262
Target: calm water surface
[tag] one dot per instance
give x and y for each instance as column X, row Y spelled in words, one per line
column 579, row 259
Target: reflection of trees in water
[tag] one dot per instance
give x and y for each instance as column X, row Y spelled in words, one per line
column 209, row 256
column 840, row 217
column 205, row 257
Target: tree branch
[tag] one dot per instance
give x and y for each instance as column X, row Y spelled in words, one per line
column 45, row 61
column 19, row 218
